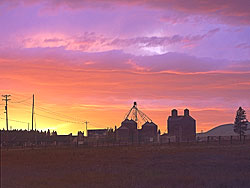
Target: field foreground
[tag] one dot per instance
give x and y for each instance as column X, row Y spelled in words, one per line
column 127, row 166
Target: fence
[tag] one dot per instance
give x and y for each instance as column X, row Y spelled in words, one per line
column 223, row 140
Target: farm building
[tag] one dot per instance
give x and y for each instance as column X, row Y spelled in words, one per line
column 129, row 132
column 183, row 127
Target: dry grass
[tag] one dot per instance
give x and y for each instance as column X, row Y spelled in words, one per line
column 144, row 166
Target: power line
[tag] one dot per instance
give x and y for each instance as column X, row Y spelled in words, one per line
column 19, row 95
column 22, row 100
column 63, row 118
column 15, row 120
column 57, row 114
column 54, row 113
column 76, row 122
column 53, row 118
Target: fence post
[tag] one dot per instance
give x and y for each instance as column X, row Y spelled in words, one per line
column 231, row 139
column 244, row 138
column 168, row 140
column 207, row 139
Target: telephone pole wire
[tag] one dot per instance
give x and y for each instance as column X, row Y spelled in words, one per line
column 5, row 98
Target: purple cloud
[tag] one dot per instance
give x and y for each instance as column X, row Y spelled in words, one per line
column 91, row 42
column 243, row 45
column 120, row 61
column 231, row 12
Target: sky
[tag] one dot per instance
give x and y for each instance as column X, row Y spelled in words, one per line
column 89, row 60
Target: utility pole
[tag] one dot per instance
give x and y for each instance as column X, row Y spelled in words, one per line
column 86, row 122
column 5, row 98
column 33, row 105
column 28, row 126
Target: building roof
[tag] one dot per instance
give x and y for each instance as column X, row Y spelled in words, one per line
column 179, row 118
column 129, row 120
column 149, row 124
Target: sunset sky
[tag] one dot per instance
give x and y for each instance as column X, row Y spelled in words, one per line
column 90, row 59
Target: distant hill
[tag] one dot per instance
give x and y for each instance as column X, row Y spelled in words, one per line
column 222, row 130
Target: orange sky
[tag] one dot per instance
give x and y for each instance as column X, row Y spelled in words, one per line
column 103, row 96
column 90, row 60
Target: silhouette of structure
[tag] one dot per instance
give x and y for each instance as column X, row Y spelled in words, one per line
column 97, row 133
column 5, row 98
column 86, row 127
column 182, row 127
column 129, row 132
column 34, row 138
column 32, row 116
column 100, row 135
column 148, row 132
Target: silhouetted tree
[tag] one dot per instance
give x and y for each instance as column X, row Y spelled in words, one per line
column 240, row 123
column 54, row 133
column 48, row 133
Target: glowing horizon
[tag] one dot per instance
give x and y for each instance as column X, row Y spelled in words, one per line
column 90, row 60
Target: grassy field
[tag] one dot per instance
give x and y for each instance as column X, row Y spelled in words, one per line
column 127, row 166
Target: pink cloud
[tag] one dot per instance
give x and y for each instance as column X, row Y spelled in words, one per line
column 117, row 60
column 53, row 40
column 91, row 42
column 243, row 45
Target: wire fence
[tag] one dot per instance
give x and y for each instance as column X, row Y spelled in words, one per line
column 36, row 139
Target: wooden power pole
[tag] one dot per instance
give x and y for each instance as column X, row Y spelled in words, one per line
column 32, row 121
column 6, row 109
column 86, row 123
